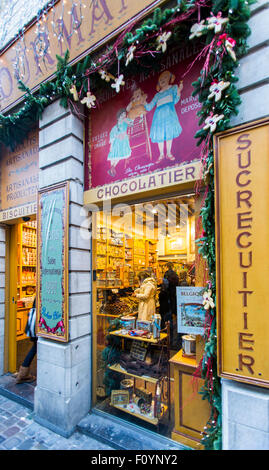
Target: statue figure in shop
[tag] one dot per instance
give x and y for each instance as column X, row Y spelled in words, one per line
column 146, row 295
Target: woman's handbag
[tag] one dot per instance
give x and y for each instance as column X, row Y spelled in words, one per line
column 30, row 325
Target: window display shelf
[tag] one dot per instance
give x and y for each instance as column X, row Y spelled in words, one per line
column 146, row 378
column 149, row 419
column 107, row 315
column 163, row 336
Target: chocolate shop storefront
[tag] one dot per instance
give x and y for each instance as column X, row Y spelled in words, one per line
column 107, row 220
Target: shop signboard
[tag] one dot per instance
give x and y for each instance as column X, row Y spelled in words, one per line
column 52, row 262
column 242, row 252
column 70, row 26
column 158, row 181
column 147, row 127
column 190, row 310
column 19, row 178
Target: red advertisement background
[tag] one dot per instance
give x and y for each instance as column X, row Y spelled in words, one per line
column 144, row 152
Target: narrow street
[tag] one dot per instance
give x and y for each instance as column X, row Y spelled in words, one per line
column 19, row 431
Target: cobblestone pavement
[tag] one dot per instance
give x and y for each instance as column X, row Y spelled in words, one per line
column 19, row 431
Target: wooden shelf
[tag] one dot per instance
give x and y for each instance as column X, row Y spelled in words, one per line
column 118, row 368
column 109, row 287
column 140, row 338
column 107, row 315
column 28, row 226
column 151, row 420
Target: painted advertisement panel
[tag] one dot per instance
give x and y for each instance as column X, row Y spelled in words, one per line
column 148, row 126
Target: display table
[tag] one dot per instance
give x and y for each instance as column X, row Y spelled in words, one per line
column 191, row 412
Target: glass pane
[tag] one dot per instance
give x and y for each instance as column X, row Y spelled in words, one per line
column 138, row 249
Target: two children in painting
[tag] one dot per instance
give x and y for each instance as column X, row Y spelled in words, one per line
column 165, row 124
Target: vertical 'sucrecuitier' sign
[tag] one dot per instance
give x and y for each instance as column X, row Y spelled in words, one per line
column 52, row 292
column 242, row 252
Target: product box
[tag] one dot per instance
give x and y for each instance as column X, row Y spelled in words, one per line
column 144, row 325
column 128, row 323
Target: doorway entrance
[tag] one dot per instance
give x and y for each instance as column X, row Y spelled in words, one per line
column 20, row 295
column 22, row 256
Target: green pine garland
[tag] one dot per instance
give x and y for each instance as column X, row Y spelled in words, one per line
column 238, row 12
column 221, row 66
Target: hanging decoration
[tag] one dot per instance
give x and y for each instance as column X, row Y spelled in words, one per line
column 198, row 29
column 208, row 301
column 89, row 100
column 105, row 75
column 212, row 120
column 130, row 55
column 216, row 22
column 223, row 37
column 73, row 91
column 162, row 41
column 118, row 83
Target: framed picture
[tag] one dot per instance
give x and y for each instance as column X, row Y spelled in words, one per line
column 190, row 310
column 119, row 397
column 52, row 262
column 139, row 350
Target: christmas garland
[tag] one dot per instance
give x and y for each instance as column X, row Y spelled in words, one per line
column 221, row 27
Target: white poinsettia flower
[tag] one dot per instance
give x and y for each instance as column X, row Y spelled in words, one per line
column 217, row 88
column 208, row 301
column 89, row 100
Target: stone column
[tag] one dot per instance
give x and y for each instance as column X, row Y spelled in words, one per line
column 63, row 392
column 2, row 295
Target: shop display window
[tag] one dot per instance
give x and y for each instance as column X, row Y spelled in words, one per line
column 141, row 253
